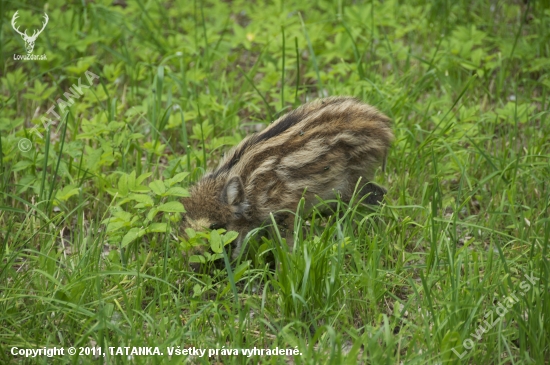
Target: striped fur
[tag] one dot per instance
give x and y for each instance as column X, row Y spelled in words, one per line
column 322, row 147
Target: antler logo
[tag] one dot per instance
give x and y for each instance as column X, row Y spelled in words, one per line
column 29, row 40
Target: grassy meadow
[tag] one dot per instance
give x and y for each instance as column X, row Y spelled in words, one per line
column 138, row 98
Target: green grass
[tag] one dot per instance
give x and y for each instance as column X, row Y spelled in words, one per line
column 91, row 253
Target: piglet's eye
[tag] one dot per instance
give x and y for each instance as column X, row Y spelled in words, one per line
column 216, row 226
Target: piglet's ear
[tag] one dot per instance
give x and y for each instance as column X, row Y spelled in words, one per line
column 233, row 191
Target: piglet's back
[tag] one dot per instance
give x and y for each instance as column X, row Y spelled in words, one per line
column 322, row 146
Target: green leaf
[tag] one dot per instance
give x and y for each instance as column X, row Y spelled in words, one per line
column 132, row 235
column 123, row 185
column 202, row 131
column 158, row 187
column 116, row 225
column 152, row 213
column 177, row 178
column 142, row 198
column 240, row 270
column 215, row 257
column 172, row 207
column 197, row 290
column 142, row 177
column 21, row 165
column 216, row 242
column 140, row 189
column 132, row 179
column 177, row 191
column 197, row 259
column 121, row 214
column 94, row 158
column 237, row 275
column 190, row 232
column 114, row 256
column 450, row 340
column 158, row 227
column 65, row 193
column 229, row 237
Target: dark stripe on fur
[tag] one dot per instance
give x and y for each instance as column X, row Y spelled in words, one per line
column 289, row 120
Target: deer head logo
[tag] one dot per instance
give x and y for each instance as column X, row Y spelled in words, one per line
column 29, row 40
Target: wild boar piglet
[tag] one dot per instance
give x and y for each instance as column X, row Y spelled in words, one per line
column 318, row 150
